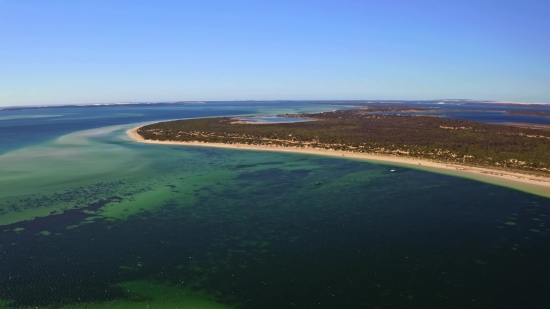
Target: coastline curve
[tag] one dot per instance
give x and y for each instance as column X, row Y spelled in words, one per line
column 536, row 185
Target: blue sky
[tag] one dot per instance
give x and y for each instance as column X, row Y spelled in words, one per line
column 60, row 52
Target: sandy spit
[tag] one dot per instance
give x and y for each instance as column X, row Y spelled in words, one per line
column 528, row 183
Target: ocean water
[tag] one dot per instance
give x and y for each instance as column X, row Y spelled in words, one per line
column 488, row 113
column 91, row 219
column 476, row 111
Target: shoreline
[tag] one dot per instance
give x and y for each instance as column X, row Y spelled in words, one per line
column 537, row 185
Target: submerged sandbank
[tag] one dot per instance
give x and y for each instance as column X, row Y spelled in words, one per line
column 527, row 183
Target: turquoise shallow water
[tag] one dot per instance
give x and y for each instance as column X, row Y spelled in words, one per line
column 90, row 219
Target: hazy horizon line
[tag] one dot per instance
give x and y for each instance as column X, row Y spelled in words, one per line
column 259, row 100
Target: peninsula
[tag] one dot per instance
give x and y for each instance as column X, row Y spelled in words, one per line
column 505, row 155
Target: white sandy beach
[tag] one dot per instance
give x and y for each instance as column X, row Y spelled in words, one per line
column 528, row 183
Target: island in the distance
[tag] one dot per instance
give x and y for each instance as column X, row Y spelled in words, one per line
column 505, row 155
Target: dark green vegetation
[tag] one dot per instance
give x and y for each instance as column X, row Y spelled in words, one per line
column 395, row 108
column 439, row 139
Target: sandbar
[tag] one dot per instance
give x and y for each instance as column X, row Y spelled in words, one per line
column 537, row 185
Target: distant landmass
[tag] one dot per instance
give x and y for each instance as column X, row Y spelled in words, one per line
column 366, row 131
column 354, row 102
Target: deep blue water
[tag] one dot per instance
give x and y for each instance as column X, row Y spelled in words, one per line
column 489, row 113
column 90, row 219
column 499, row 117
column 24, row 127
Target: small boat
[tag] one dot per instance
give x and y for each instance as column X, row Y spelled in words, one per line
column 318, row 183
column 392, row 170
